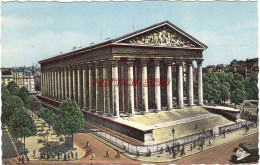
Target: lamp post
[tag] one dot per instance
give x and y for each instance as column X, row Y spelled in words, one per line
column 173, row 131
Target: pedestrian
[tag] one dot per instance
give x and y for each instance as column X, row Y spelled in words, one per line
column 19, row 158
column 210, row 142
column 87, row 144
column 137, row 154
column 68, row 156
column 34, row 153
column 174, row 154
column 183, row 151
column 76, row 155
column 107, row 154
column 65, row 157
column 118, row 154
column 28, row 160
column 71, row 153
column 190, row 147
column 90, row 150
column 93, row 156
column 224, row 133
column 41, row 155
column 196, row 126
column 194, row 143
column 201, row 146
column 22, row 160
column 161, row 150
column 170, row 151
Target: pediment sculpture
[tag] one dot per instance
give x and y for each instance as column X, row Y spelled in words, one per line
column 165, row 37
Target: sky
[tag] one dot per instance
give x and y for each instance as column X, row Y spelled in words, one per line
column 33, row 31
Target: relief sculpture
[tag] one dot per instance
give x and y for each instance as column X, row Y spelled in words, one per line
column 164, row 36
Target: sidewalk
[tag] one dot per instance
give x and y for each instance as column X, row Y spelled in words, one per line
column 165, row 157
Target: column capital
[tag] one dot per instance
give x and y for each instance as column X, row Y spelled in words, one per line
column 168, row 61
column 189, row 62
column 144, row 61
column 199, row 62
column 179, row 62
column 157, row 62
column 114, row 62
column 74, row 66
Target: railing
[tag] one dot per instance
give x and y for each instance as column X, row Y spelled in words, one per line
column 155, row 148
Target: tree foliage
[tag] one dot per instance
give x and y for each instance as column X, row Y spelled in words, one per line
column 21, row 124
column 24, row 93
column 10, row 105
column 13, row 88
column 30, row 102
column 5, row 94
column 71, row 119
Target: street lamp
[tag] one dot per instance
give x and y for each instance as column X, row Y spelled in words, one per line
column 173, row 131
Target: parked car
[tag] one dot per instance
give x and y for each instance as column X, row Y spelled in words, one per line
column 245, row 153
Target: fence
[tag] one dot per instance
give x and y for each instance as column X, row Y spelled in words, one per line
column 155, row 148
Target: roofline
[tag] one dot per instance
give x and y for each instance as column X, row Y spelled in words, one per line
column 88, row 48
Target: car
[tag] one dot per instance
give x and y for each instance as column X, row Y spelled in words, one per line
column 245, row 153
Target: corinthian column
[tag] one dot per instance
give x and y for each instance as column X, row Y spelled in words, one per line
column 180, row 84
column 158, row 104
column 84, row 83
column 144, row 86
column 58, row 84
column 200, row 83
column 169, row 86
column 131, row 105
column 91, row 91
column 79, row 86
column 97, row 76
column 69, row 81
column 74, row 83
column 62, row 83
column 190, row 82
column 53, row 85
column 65, row 83
column 115, row 92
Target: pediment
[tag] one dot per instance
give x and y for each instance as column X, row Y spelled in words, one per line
column 164, row 35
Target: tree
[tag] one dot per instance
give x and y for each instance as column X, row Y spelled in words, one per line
column 224, row 92
column 237, row 96
column 13, row 88
column 24, row 93
column 22, row 125
column 48, row 115
column 30, row 102
column 72, row 118
column 5, row 94
column 9, row 106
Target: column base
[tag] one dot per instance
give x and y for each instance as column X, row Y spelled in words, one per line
column 191, row 105
column 168, row 109
column 131, row 115
column 157, row 110
column 202, row 105
column 181, row 107
column 145, row 113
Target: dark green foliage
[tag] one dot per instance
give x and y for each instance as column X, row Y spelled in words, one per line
column 251, row 87
column 5, row 94
column 71, row 119
column 30, row 102
column 47, row 114
column 13, row 88
column 10, row 105
column 24, row 93
column 21, row 124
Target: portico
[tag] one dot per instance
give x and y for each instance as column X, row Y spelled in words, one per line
column 128, row 74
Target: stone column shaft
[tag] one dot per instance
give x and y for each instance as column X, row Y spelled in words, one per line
column 158, row 104
column 79, row 88
column 59, row 85
column 190, row 83
column 70, row 82
column 115, row 91
column 131, row 105
column 144, row 87
column 74, row 85
column 53, row 85
column 65, row 84
column 200, row 83
column 169, row 87
column 84, row 83
column 97, row 87
column 62, row 84
column 105, row 99
column 180, row 85
column 90, row 86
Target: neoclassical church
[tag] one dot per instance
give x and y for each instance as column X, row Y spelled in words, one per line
column 129, row 74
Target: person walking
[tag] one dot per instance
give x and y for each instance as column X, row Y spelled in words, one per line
column 191, row 147
column 76, row 155
column 93, row 156
column 107, row 154
column 71, row 153
column 90, row 150
column 22, row 159
column 34, row 153
column 161, row 150
column 65, row 157
column 28, row 160
column 183, row 151
column 137, row 154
